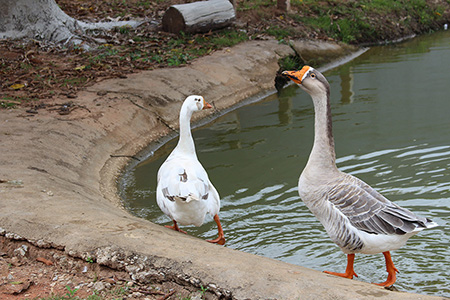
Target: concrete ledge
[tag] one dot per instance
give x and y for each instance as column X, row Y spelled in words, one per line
column 58, row 186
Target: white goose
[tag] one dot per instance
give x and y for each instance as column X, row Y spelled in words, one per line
column 356, row 217
column 184, row 191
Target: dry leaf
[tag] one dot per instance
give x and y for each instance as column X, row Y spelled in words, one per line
column 17, row 86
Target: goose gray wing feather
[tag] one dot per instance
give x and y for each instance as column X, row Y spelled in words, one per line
column 369, row 211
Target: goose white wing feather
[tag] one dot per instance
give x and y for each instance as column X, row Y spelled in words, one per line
column 181, row 179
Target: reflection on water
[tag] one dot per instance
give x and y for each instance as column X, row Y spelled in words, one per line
column 391, row 126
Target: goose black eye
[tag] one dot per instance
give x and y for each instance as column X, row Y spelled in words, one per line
column 313, row 75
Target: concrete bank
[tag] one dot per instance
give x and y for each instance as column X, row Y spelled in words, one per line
column 58, row 180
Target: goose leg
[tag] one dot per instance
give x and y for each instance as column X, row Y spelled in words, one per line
column 221, row 239
column 175, row 227
column 391, row 269
column 349, row 272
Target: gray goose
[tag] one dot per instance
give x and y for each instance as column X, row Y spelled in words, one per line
column 184, row 191
column 356, row 217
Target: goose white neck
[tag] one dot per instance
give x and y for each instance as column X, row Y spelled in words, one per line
column 323, row 154
column 185, row 142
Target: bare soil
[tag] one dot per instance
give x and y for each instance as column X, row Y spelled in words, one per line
column 29, row 272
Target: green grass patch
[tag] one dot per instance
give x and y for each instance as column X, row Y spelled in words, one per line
column 255, row 4
column 279, row 33
column 358, row 21
column 291, row 62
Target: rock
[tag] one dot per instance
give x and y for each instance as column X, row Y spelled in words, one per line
column 22, row 250
column 99, row 286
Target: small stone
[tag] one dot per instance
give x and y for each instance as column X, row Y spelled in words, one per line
column 22, row 250
column 137, row 294
column 99, row 286
column 15, row 261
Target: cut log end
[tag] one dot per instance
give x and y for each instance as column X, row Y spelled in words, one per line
column 173, row 21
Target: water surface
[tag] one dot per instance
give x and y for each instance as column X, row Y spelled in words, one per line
column 391, row 125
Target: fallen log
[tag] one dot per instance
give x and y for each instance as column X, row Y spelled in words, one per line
column 201, row 16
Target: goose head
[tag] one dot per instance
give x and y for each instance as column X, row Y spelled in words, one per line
column 196, row 103
column 310, row 80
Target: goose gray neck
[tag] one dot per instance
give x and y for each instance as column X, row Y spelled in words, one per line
column 323, row 154
column 186, row 142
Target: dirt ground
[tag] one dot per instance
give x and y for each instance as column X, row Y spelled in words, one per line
column 29, row 272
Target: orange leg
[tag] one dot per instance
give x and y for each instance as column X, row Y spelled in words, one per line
column 349, row 272
column 221, row 239
column 391, row 269
column 175, row 227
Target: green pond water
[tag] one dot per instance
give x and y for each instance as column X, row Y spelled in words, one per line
column 391, row 123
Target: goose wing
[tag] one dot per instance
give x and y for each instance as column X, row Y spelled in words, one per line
column 369, row 211
column 183, row 178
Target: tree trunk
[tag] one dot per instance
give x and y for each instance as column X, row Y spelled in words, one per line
column 43, row 19
column 200, row 16
column 284, row 5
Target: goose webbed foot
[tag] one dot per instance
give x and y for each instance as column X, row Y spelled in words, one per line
column 221, row 239
column 349, row 271
column 175, row 227
column 391, row 269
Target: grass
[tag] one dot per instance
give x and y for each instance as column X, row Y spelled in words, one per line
column 358, row 21
column 117, row 293
column 13, row 102
column 278, row 32
column 291, row 62
column 187, row 47
column 255, row 4
column 173, row 52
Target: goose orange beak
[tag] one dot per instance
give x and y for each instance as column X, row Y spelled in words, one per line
column 296, row 76
column 206, row 105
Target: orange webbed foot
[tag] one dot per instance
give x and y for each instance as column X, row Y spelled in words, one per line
column 391, row 269
column 175, row 227
column 349, row 271
column 345, row 275
column 220, row 240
